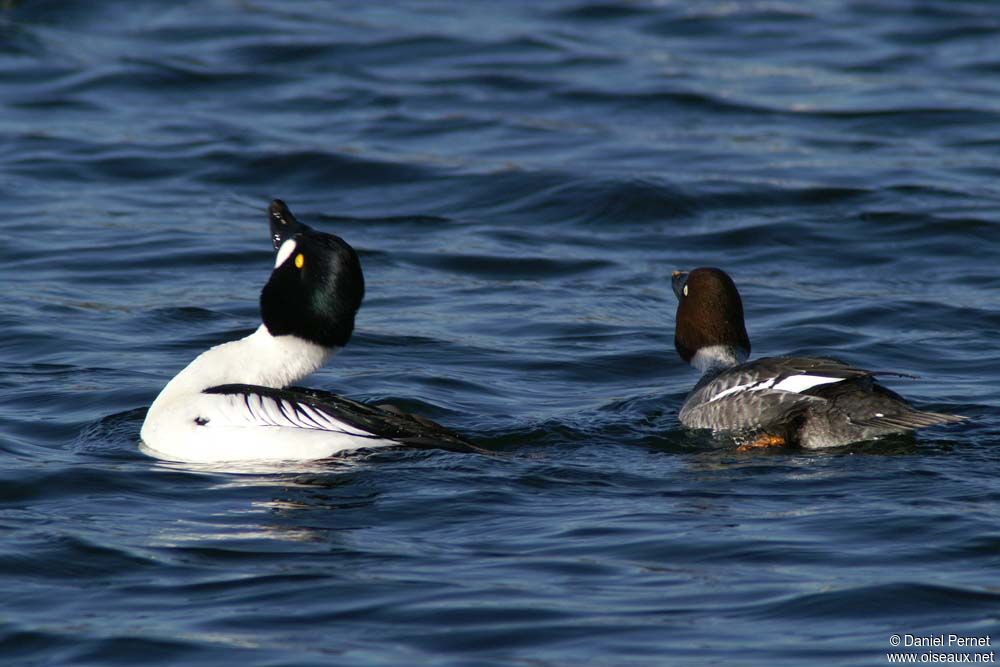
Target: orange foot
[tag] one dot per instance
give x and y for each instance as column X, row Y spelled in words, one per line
column 763, row 440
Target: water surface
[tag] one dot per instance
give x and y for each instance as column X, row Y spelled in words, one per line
column 520, row 178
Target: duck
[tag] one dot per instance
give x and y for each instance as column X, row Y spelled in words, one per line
column 782, row 401
column 236, row 401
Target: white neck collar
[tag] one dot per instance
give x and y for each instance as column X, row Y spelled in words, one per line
column 259, row 359
column 716, row 357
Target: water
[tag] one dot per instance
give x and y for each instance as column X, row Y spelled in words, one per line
column 520, row 178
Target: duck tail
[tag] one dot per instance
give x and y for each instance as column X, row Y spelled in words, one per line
column 910, row 419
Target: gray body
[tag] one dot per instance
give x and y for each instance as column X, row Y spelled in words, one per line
column 837, row 404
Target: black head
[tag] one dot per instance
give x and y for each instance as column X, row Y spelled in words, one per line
column 283, row 224
column 316, row 287
column 709, row 313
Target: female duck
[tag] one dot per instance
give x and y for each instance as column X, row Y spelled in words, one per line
column 799, row 401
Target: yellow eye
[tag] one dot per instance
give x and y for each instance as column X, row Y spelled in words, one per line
column 299, row 260
column 685, row 287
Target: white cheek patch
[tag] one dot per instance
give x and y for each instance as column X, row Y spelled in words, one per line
column 284, row 252
column 800, row 383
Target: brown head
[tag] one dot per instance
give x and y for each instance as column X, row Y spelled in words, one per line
column 709, row 315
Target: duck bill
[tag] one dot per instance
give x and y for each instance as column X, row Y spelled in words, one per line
column 283, row 224
column 677, row 280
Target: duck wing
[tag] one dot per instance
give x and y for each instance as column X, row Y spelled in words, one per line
column 766, row 391
column 879, row 408
column 773, row 391
column 309, row 409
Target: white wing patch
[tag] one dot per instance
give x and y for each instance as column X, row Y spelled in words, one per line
column 750, row 386
column 794, row 383
column 253, row 410
column 800, row 383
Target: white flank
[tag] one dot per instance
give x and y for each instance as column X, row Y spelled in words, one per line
column 184, row 424
column 284, row 252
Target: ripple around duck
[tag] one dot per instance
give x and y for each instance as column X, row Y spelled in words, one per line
column 288, row 170
column 896, row 602
column 658, row 99
column 510, row 268
column 368, row 52
column 557, row 198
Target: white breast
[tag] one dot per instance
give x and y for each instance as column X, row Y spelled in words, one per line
column 184, row 424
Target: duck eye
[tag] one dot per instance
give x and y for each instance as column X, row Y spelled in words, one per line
column 300, row 260
column 685, row 286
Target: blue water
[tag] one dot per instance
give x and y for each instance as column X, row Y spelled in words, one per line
column 520, row 178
